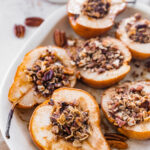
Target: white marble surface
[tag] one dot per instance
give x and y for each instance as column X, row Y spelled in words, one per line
column 14, row 12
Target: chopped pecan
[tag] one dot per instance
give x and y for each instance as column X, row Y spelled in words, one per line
column 48, row 75
column 139, row 88
column 95, row 56
column 19, row 31
column 60, row 38
column 120, row 122
column 33, row 21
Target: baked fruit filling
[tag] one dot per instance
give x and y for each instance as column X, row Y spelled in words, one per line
column 96, row 8
column 139, row 32
column 70, row 122
column 48, row 73
column 98, row 56
column 129, row 106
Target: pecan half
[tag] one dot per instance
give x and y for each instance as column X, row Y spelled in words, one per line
column 60, row 38
column 19, row 31
column 115, row 136
column 33, row 21
column 117, row 144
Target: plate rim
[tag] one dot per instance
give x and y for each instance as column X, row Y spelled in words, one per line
column 48, row 25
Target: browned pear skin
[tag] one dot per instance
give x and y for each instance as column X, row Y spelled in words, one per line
column 86, row 32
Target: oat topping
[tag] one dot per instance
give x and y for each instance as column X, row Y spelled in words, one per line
column 129, row 106
column 96, row 8
column 139, row 32
column 48, row 74
column 70, row 122
column 96, row 56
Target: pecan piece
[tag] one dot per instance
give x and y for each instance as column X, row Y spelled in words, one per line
column 19, row 31
column 139, row 88
column 117, row 144
column 33, row 21
column 60, row 38
column 48, row 75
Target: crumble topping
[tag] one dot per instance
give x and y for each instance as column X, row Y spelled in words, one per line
column 96, row 8
column 96, row 56
column 48, row 74
column 139, row 32
column 129, row 106
column 70, row 122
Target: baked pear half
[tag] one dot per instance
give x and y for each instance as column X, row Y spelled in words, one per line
column 135, row 33
column 70, row 120
column 90, row 18
column 42, row 70
column 127, row 107
column 102, row 62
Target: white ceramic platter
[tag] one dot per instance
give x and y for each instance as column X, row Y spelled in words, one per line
column 20, row 138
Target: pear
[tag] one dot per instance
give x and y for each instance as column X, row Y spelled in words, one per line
column 139, row 131
column 139, row 50
column 41, row 126
column 109, row 77
column 87, row 26
column 22, row 91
